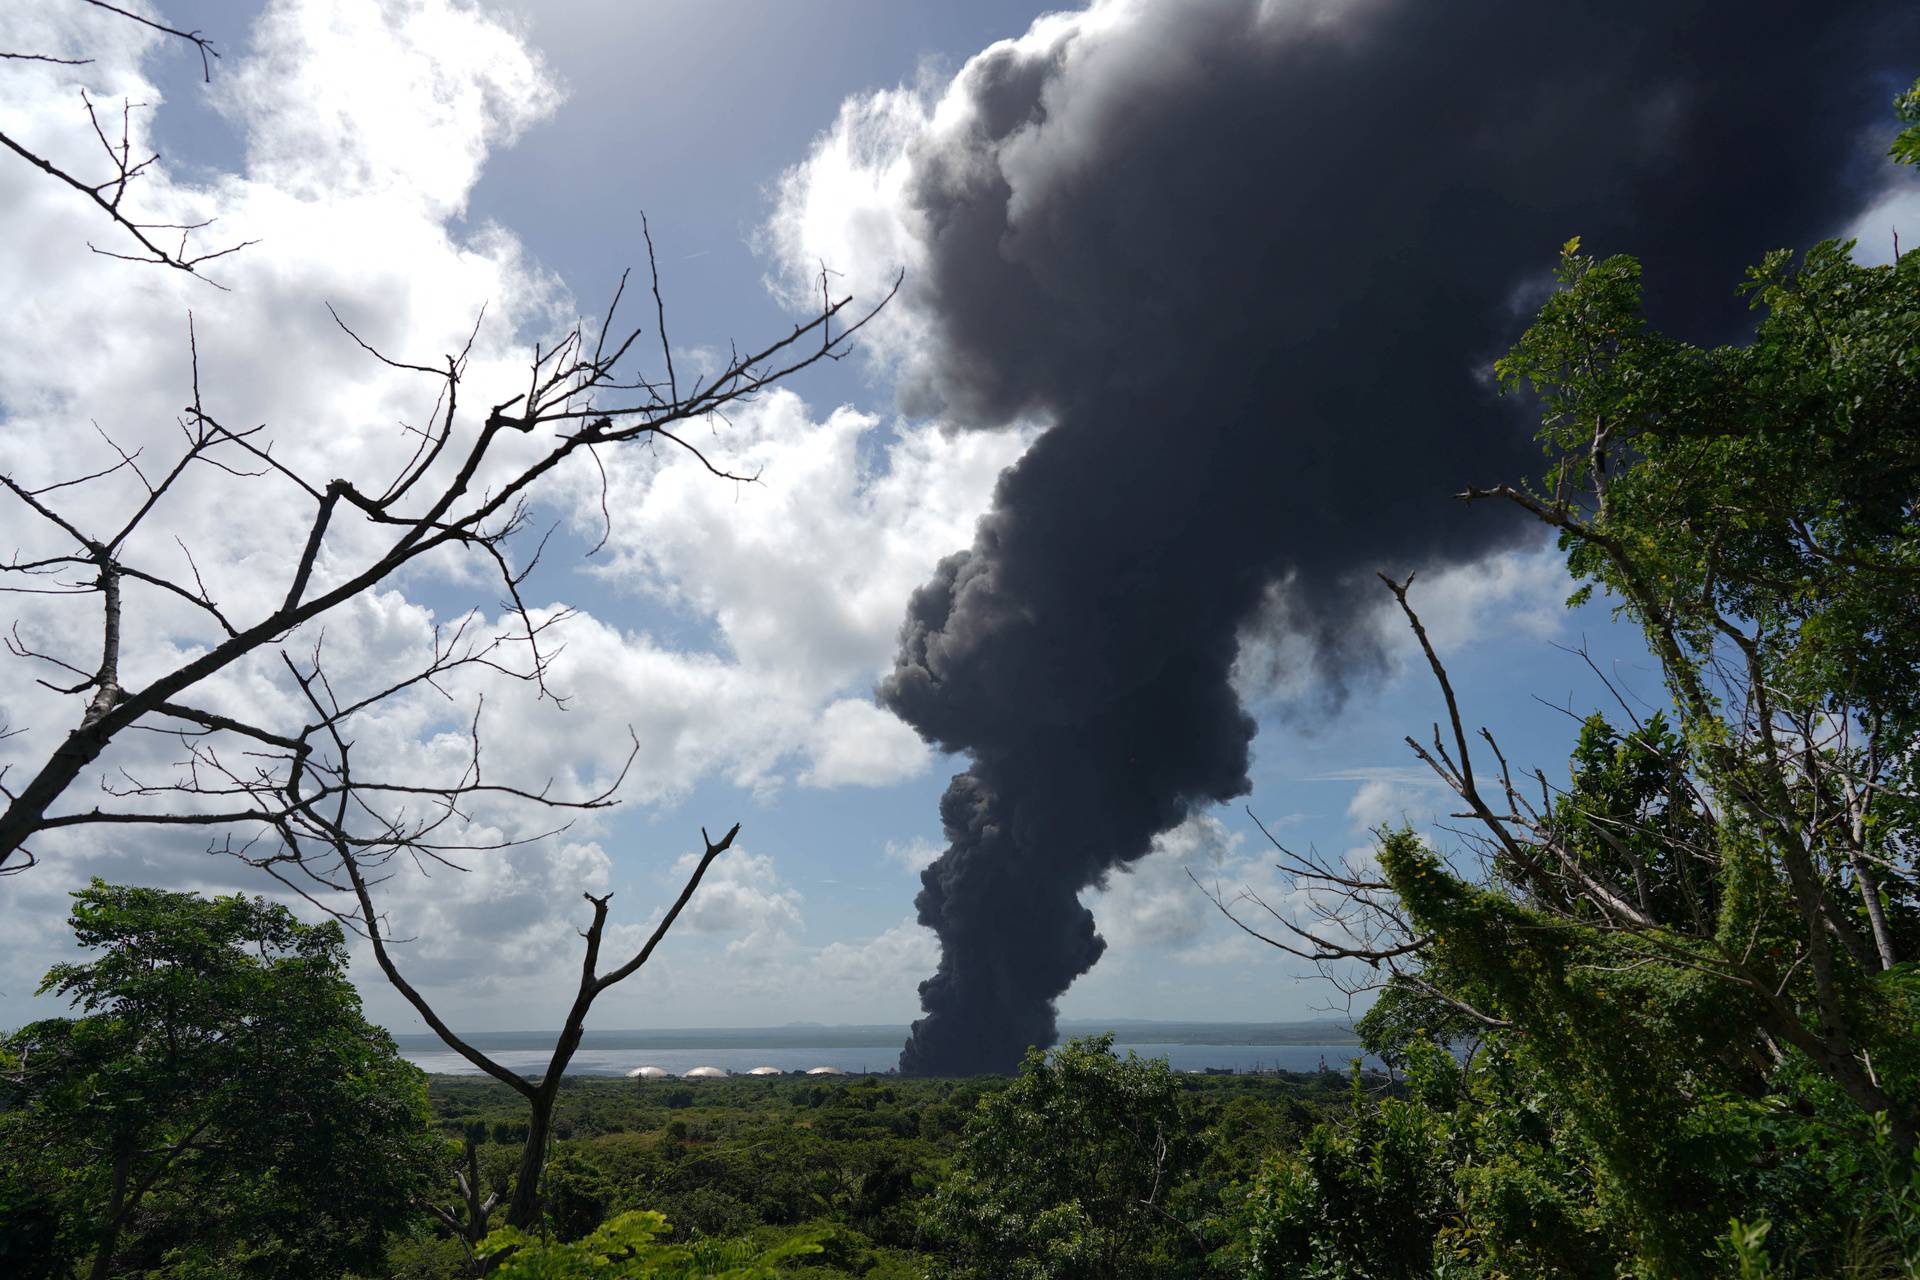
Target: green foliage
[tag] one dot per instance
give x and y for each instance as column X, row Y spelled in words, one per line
column 1898, row 1207
column 627, row 1247
column 853, row 1164
column 1468, row 1173
column 1529, row 1204
column 1754, row 509
column 1879, row 1230
column 1693, row 958
column 1068, row 1170
column 1770, row 482
column 1590, row 1017
column 421, row 1255
column 1747, row 1242
column 1625, row 817
column 1402, row 1023
column 1906, row 108
column 1362, row 1198
column 221, row 1107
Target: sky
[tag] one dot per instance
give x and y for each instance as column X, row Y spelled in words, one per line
column 408, row 161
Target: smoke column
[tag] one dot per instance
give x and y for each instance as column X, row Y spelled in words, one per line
column 1249, row 260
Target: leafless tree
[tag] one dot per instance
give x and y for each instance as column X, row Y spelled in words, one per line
column 287, row 798
column 328, row 846
column 578, row 401
column 1800, row 782
column 167, row 244
column 468, row 1220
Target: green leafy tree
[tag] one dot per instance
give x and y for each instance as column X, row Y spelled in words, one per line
column 627, row 1247
column 1463, row 1172
column 1735, row 886
column 1068, row 1171
column 1719, row 893
column 1365, row 1197
column 1906, row 107
column 220, row 1106
column 1756, row 510
column 1701, row 947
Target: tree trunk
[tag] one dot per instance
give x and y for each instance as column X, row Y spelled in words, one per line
column 1876, row 914
column 116, row 1212
column 22, row 817
column 524, row 1209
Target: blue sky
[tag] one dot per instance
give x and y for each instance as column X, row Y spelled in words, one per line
column 693, row 113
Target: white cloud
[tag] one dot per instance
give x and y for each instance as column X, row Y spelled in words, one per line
column 890, row 964
column 742, row 898
column 1153, row 902
column 397, row 98
column 804, row 576
column 1391, row 801
column 779, row 979
column 1512, row 593
column 858, row 744
column 916, row 855
column 746, row 946
column 458, row 927
column 848, row 206
column 365, row 127
column 94, row 339
column 1411, row 774
column 1154, row 912
column 808, row 570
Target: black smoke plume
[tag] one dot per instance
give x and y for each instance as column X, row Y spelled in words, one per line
column 1250, row 259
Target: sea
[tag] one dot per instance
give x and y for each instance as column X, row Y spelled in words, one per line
column 1238, row 1047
